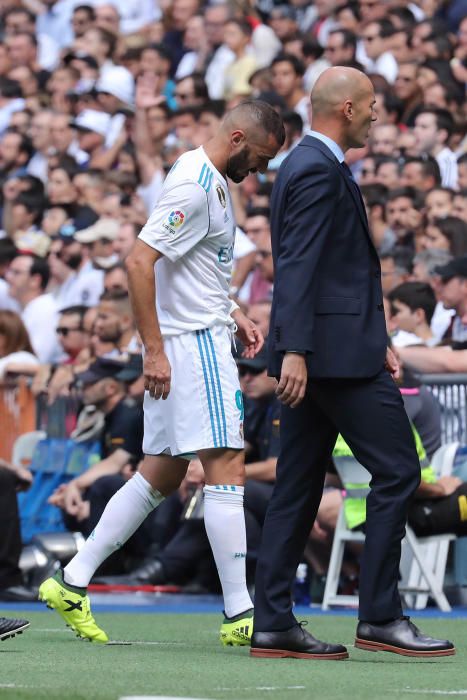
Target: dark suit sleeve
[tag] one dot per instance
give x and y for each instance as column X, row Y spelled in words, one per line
column 309, row 208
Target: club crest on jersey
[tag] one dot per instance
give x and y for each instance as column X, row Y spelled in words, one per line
column 174, row 221
column 221, row 195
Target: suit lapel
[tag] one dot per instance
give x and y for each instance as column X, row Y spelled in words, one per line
column 351, row 186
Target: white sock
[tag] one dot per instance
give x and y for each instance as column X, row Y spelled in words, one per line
column 122, row 516
column 225, row 526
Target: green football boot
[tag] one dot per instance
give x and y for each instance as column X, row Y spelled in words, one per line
column 73, row 605
column 236, row 631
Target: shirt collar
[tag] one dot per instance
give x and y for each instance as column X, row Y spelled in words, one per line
column 332, row 145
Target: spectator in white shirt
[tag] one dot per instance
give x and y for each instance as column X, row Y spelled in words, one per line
column 432, row 130
column 376, row 58
column 28, row 277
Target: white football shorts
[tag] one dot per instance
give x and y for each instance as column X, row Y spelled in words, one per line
column 204, row 408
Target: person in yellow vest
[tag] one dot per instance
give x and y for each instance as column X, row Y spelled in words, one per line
column 439, row 506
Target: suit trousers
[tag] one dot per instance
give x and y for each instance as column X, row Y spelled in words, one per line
column 370, row 415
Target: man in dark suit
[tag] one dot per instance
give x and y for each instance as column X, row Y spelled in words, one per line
column 328, row 347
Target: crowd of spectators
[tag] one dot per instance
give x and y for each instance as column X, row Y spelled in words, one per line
column 98, row 99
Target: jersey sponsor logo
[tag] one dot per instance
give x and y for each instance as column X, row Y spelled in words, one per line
column 221, row 195
column 225, row 254
column 174, row 221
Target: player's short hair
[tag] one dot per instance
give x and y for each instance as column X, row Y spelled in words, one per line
column 263, row 116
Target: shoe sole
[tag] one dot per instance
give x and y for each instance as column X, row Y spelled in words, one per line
column 44, row 599
column 367, row 645
column 13, row 633
column 288, row 654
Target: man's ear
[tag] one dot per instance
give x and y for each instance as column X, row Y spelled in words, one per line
column 237, row 137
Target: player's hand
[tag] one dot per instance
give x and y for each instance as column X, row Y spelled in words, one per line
column 248, row 334
column 157, row 375
column 391, row 364
column 294, row 376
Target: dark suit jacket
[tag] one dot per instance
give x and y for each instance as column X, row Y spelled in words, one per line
column 327, row 299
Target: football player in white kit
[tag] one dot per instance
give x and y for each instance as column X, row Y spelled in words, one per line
column 193, row 403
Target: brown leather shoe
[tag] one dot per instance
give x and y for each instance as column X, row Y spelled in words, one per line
column 400, row 636
column 295, row 643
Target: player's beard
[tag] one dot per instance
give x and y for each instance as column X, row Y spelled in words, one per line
column 237, row 165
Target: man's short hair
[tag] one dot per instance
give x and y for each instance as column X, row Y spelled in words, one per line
column 39, row 267
column 258, row 211
column 293, row 120
column 243, row 24
column 216, row 107
column 349, row 38
column 32, row 203
column 264, row 117
column 429, row 165
column 375, row 194
column 199, row 85
column 408, row 192
column 415, row 295
column 443, row 119
column 403, row 258
column 292, row 60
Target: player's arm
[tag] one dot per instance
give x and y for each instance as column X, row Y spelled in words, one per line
column 142, row 288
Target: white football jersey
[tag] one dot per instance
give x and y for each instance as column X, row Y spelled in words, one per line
column 193, row 226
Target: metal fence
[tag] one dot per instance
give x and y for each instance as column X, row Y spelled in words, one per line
column 451, row 392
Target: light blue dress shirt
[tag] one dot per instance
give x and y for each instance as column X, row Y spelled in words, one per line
column 332, row 145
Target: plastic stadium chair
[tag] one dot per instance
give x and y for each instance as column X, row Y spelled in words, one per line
column 24, row 446
column 423, row 561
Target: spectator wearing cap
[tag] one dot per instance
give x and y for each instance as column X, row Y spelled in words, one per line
column 433, row 129
column 453, row 293
column 116, row 94
column 27, row 277
column 92, row 127
column 287, row 81
column 237, row 37
column 376, row 58
column 99, row 238
column 120, row 441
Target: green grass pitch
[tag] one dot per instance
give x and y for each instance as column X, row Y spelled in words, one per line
column 180, row 656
